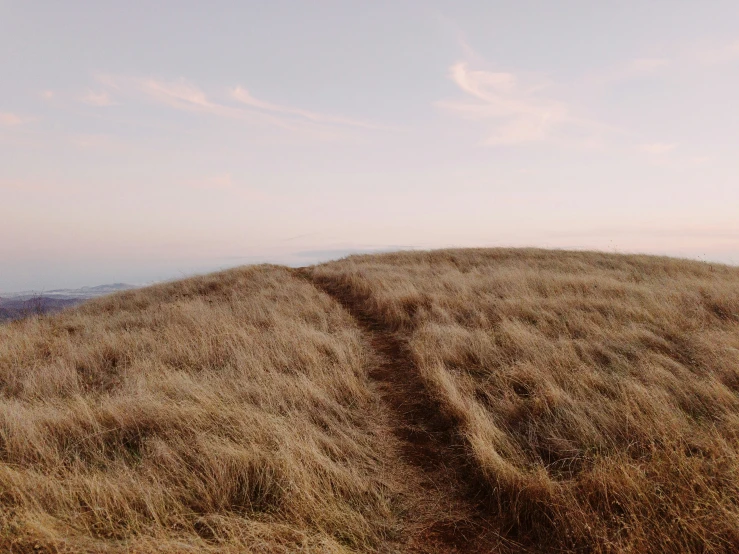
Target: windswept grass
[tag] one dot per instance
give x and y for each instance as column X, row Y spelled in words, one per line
column 226, row 413
column 597, row 395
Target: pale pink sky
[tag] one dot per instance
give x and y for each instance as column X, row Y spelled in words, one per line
column 142, row 142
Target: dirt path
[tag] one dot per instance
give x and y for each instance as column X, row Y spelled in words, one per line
column 446, row 517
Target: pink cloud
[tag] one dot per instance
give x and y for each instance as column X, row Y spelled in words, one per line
column 10, row 119
column 520, row 113
column 99, row 99
column 243, row 96
column 185, row 96
column 179, row 95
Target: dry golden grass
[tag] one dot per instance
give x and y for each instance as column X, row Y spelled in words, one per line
column 227, row 413
column 596, row 398
column 597, row 395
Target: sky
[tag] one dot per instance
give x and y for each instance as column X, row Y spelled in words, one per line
column 142, row 141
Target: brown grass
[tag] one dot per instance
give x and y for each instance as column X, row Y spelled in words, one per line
column 595, row 399
column 597, row 395
column 227, row 413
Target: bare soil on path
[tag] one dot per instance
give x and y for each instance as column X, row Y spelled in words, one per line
column 448, row 516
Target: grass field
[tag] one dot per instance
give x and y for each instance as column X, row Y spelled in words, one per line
column 597, row 395
column 228, row 413
column 461, row 400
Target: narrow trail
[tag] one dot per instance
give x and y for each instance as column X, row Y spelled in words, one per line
column 446, row 517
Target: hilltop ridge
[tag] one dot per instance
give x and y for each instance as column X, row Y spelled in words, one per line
column 481, row 400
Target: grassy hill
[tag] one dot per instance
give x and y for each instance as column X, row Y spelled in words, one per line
column 461, row 400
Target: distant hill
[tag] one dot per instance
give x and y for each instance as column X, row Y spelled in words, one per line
column 21, row 304
column 492, row 400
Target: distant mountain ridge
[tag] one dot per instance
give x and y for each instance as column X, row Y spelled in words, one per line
column 83, row 292
column 21, row 304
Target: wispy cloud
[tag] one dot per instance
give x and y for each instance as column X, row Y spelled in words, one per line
column 243, row 96
column 519, row 108
column 99, row 99
column 10, row 119
column 47, row 94
column 185, row 96
column 519, row 112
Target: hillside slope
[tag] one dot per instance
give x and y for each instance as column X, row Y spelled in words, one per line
column 448, row 401
column 227, row 413
column 597, row 396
